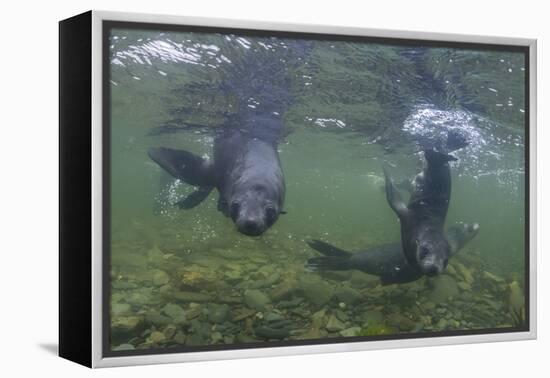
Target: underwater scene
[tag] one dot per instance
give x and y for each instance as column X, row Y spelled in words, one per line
column 277, row 191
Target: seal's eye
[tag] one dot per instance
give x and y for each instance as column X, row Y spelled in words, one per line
column 270, row 213
column 234, row 209
column 424, row 251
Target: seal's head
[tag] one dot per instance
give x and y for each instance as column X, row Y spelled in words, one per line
column 254, row 210
column 432, row 252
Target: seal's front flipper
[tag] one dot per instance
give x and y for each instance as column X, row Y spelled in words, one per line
column 194, row 198
column 405, row 185
column 222, row 206
column 394, row 198
column 460, row 234
column 400, row 277
column 185, row 166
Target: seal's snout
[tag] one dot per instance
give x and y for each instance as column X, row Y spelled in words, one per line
column 431, row 265
column 251, row 227
column 431, row 270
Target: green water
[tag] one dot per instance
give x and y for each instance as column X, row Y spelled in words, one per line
column 187, row 278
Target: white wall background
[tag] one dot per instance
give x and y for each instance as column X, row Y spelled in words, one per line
column 28, row 197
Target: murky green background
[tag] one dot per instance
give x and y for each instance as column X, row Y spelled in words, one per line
column 188, row 278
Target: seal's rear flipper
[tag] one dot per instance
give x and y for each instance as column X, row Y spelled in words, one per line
column 394, row 198
column 194, row 198
column 434, row 157
column 334, row 258
column 185, row 166
column 456, row 140
column 327, row 249
column 329, row 263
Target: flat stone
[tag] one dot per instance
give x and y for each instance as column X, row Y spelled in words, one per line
column 155, row 253
column 216, row 337
column 256, row 299
column 347, row 295
column 316, row 291
column 233, row 276
column 118, row 309
column 160, row 278
column 126, row 323
column 271, row 333
column 243, row 314
column 341, row 315
column 195, row 339
column 516, row 299
column 373, row 317
column 466, row 273
column 451, row 270
column 350, row 332
column 493, row 278
column 442, row 323
column 301, row 312
column 156, row 318
column 141, row 296
column 400, row 321
column 170, row 331
column 273, row 317
column 334, row 325
column 190, row 296
column 174, row 311
column 228, row 339
column 454, row 323
column 317, row 319
column 157, row 337
column 198, row 279
column 165, row 289
column 124, row 347
column 284, row 289
column 218, row 313
column 199, row 328
column 180, row 337
column 313, row 333
column 291, row 304
column 444, row 287
column 428, row 306
column 123, row 285
column 267, row 282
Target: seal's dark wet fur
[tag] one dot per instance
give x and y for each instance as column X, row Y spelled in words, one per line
column 387, row 261
column 246, row 168
column 422, row 220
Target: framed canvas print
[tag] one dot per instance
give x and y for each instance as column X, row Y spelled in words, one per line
column 234, row 189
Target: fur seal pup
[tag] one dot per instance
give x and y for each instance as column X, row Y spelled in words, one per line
column 423, row 218
column 387, row 261
column 245, row 170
